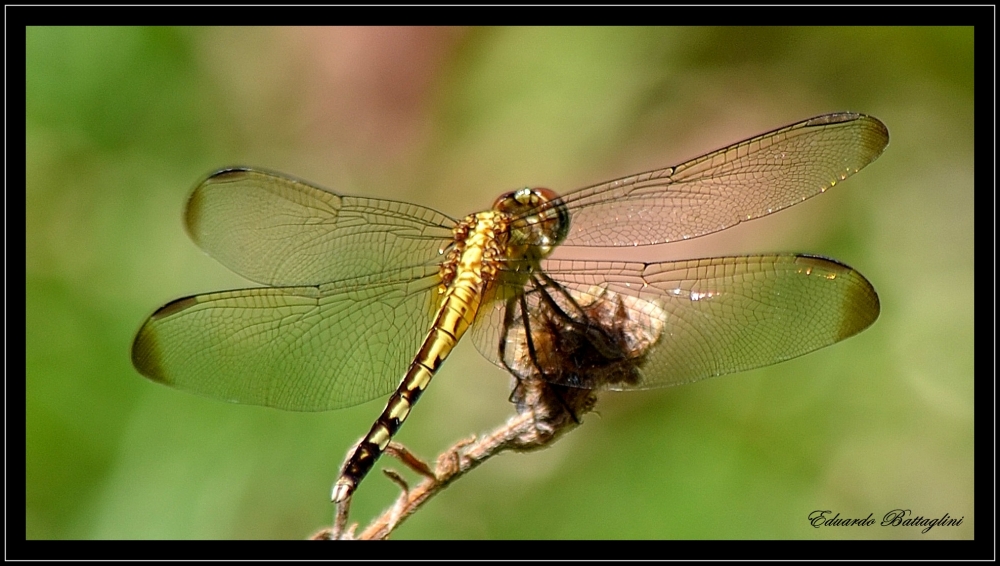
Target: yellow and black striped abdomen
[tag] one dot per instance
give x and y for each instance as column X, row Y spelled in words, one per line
column 467, row 277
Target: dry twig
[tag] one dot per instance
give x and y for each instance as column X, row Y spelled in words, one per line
column 546, row 412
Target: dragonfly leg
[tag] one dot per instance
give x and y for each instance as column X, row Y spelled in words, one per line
column 596, row 334
column 528, row 339
column 508, row 322
column 554, row 388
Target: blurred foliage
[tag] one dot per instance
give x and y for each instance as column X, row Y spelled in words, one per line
column 121, row 122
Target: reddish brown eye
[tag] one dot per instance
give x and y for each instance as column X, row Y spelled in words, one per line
column 538, row 217
column 553, row 215
column 505, row 201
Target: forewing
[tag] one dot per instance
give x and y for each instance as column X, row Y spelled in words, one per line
column 294, row 348
column 741, row 182
column 277, row 230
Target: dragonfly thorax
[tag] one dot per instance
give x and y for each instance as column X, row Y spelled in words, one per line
column 539, row 220
column 478, row 246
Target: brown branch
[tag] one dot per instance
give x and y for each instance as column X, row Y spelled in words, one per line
column 545, row 413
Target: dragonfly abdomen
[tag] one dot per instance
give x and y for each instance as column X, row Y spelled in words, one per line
column 467, row 278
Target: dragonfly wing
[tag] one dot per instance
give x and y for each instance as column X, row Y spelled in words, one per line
column 636, row 325
column 741, row 182
column 489, row 331
column 295, row 348
column 277, row 230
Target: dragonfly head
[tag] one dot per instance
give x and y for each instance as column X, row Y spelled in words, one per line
column 538, row 218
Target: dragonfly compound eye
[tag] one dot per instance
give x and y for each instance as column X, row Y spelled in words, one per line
column 538, row 217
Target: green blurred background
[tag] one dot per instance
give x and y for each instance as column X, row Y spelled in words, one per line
column 121, row 122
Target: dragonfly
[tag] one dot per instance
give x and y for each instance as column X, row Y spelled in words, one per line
column 362, row 297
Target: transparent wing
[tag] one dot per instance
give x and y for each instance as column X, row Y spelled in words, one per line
column 625, row 325
column 294, row 348
column 277, row 230
column 746, row 180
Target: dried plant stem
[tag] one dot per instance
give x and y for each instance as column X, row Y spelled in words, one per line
column 455, row 462
column 545, row 413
